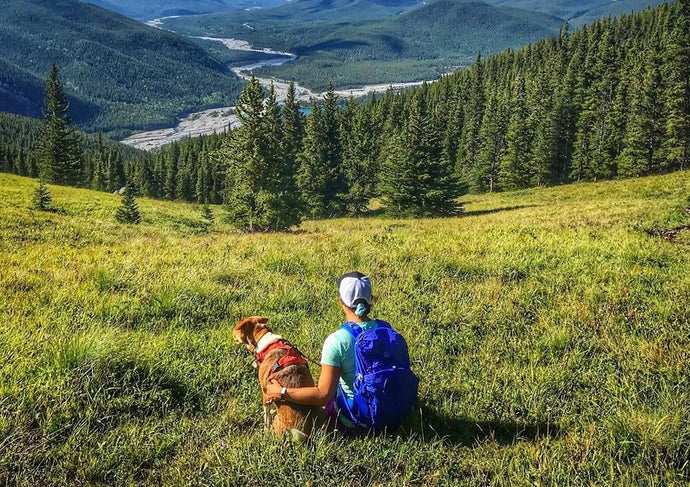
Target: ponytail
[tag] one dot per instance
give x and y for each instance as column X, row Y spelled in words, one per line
column 362, row 309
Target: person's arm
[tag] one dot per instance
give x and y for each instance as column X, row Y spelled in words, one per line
column 318, row 395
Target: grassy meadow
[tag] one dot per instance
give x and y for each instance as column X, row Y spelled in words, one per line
column 550, row 330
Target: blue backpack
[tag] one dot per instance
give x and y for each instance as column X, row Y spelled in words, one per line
column 385, row 389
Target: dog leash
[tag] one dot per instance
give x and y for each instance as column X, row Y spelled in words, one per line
column 307, row 358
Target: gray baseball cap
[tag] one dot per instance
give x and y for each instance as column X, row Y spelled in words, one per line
column 354, row 287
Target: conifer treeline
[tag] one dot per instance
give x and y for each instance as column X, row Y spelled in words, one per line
column 178, row 171
column 103, row 164
column 612, row 99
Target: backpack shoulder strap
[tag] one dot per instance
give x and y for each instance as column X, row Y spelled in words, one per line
column 383, row 324
column 352, row 328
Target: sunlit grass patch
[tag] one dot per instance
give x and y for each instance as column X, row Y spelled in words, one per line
column 549, row 330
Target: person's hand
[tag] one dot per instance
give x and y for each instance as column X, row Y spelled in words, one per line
column 272, row 391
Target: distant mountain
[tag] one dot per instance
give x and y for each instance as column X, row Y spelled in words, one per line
column 355, row 42
column 153, row 9
column 451, row 28
column 412, row 27
column 582, row 11
column 310, row 20
column 118, row 72
column 337, row 12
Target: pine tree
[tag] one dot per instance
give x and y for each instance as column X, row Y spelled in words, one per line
column 207, row 213
column 320, row 176
column 492, row 134
column 128, row 212
column 292, row 133
column 585, row 145
column 453, row 114
column 170, row 178
column 284, row 203
column 606, row 138
column 360, row 139
column 544, row 117
column 474, row 114
column 184, row 188
column 260, row 191
column 643, row 139
column 415, row 179
column 313, row 170
column 41, row 199
column 564, row 111
column 60, row 151
column 336, row 184
column 145, row 179
column 20, row 165
column 202, row 190
column 292, row 129
column 515, row 158
column 677, row 91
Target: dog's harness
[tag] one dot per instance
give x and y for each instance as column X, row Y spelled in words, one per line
column 292, row 355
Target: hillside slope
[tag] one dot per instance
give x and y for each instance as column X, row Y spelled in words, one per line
column 367, row 41
column 548, row 328
column 581, row 12
column 160, row 8
column 118, row 72
column 451, row 28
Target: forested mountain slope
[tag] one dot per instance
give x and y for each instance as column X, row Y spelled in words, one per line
column 151, row 9
column 610, row 100
column 365, row 41
column 449, row 28
column 280, row 27
column 175, row 172
column 119, row 73
column 580, row 12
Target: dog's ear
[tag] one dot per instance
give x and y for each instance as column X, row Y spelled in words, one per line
column 245, row 330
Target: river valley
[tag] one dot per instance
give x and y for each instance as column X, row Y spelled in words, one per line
column 220, row 119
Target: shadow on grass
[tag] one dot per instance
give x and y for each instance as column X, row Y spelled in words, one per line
column 433, row 426
column 372, row 213
column 460, row 213
column 51, row 209
column 494, row 210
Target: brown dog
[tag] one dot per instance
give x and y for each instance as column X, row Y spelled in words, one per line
column 278, row 360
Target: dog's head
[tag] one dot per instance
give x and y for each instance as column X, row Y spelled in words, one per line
column 249, row 330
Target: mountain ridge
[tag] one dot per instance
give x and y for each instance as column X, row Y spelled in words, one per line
column 162, row 8
column 118, row 72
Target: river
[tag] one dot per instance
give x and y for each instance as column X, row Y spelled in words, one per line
column 220, row 119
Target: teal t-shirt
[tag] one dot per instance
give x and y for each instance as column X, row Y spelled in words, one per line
column 339, row 351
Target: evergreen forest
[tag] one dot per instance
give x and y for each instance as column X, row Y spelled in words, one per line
column 609, row 100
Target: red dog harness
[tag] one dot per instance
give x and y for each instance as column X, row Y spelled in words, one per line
column 292, row 356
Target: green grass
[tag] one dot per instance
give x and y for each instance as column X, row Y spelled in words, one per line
column 549, row 329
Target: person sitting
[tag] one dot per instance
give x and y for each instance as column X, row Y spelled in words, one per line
column 340, row 383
